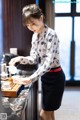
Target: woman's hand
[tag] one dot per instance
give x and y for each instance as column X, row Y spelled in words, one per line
column 23, row 81
column 15, row 60
column 26, row 81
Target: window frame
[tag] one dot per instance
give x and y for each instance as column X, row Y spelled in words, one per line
column 72, row 14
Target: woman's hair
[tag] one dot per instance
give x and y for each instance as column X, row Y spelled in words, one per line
column 30, row 11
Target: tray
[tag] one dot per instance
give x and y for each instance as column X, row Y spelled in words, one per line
column 14, row 91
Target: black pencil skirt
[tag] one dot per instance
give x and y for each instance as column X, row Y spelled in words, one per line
column 52, row 89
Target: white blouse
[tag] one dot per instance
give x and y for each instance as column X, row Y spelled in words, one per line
column 46, row 47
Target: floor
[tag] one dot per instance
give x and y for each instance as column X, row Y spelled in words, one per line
column 70, row 108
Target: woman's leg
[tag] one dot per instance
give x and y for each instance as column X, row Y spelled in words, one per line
column 46, row 115
column 53, row 116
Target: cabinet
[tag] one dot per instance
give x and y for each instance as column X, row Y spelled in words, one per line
column 31, row 108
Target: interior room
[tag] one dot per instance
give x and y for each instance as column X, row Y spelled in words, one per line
column 63, row 16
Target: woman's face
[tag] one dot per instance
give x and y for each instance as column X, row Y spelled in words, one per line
column 36, row 25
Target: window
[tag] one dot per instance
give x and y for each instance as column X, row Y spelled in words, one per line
column 77, row 48
column 62, row 6
column 67, row 26
column 77, row 5
column 37, row 2
column 64, row 33
column 1, row 30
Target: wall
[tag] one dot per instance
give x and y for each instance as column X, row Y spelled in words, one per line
column 49, row 13
column 14, row 34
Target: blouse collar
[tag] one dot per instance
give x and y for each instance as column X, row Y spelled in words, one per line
column 44, row 31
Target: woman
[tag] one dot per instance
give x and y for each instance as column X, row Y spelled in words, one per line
column 45, row 45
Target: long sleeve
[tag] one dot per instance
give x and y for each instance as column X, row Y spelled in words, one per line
column 52, row 46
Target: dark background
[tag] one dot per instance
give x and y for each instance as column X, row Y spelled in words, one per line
column 14, row 34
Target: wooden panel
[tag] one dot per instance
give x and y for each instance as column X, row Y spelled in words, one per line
column 14, row 34
column 13, row 90
column 42, row 5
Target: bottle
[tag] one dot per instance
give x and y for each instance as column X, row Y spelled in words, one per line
column 1, row 106
column 3, row 68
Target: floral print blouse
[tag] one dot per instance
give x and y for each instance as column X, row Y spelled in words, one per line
column 46, row 47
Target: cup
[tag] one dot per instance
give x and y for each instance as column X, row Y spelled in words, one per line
column 13, row 51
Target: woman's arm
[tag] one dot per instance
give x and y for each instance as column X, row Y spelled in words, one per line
column 32, row 59
column 52, row 46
